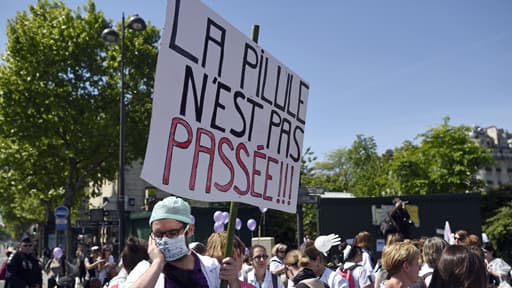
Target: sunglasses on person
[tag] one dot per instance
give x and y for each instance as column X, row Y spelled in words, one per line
column 260, row 257
column 26, row 245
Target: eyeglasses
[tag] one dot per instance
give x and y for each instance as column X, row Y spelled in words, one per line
column 169, row 233
column 281, row 251
column 260, row 257
column 26, row 245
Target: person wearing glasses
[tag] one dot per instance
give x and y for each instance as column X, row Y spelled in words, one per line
column 173, row 264
column 461, row 237
column 23, row 268
column 260, row 276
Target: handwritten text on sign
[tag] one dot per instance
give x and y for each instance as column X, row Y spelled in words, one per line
column 228, row 119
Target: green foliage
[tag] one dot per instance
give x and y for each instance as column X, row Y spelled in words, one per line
column 334, row 173
column 309, row 178
column 499, row 230
column 310, row 212
column 497, row 225
column 494, row 199
column 367, row 170
column 59, row 106
column 446, row 161
column 359, row 169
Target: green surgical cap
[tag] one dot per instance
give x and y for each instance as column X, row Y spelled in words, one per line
column 171, row 208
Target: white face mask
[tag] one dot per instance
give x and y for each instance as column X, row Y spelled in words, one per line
column 173, row 248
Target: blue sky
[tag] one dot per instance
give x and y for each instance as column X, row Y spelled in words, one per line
column 388, row 69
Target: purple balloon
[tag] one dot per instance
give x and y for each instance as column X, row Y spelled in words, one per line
column 251, row 224
column 217, row 216
column 263, row 210
column 238, row 224
column 225, row 217
column 218, row 226
column 57, row 252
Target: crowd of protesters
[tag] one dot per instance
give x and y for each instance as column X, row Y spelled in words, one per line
column 168, row 259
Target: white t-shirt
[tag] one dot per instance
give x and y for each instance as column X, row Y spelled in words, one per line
column 361, row 277
column 209, row 266
column 275, row 263
column 367, row 263
column 267, row 280
column 333, row 279
column 424, row 270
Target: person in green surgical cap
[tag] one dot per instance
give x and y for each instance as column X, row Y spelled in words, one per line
column 173, row 264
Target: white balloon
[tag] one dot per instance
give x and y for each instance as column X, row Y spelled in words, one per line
column 225, row 217
column 217, row 216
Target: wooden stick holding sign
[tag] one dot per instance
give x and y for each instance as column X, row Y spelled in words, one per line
column 233, row 208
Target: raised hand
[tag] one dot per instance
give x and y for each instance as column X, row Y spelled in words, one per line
column 325, row 242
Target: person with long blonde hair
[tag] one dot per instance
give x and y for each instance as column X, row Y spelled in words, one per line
column 216, row 245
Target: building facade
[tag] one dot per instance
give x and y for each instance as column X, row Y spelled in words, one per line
column 499, row 141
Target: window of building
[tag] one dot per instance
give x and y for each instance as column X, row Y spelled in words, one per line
column 498, row 169
column 489, row 182
column 488, row 169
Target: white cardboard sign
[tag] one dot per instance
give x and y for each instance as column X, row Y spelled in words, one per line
column 228, row 119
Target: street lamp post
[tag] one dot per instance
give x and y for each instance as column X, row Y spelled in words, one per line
column 110, row 36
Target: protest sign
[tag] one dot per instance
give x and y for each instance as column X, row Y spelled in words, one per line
column 228, row 119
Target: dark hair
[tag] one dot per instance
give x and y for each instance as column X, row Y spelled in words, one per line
column 462, row 235
column 134, row 252
column 198, row 247
column 459, row 267
column 488, row 247
column 363, row 239
column 312, row 253
column 253, row 247
column 304, row 274
column 352, row 252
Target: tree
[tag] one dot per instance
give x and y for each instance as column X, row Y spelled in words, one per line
column 497, row 215
column 499, row 230
column 308, row 178
column 334, row 172
column 358, row 169
column 367, row 170
column 446, row 161
column 59, row 106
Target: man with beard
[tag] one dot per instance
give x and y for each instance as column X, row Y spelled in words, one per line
column 173, row 263
column 23, row 268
